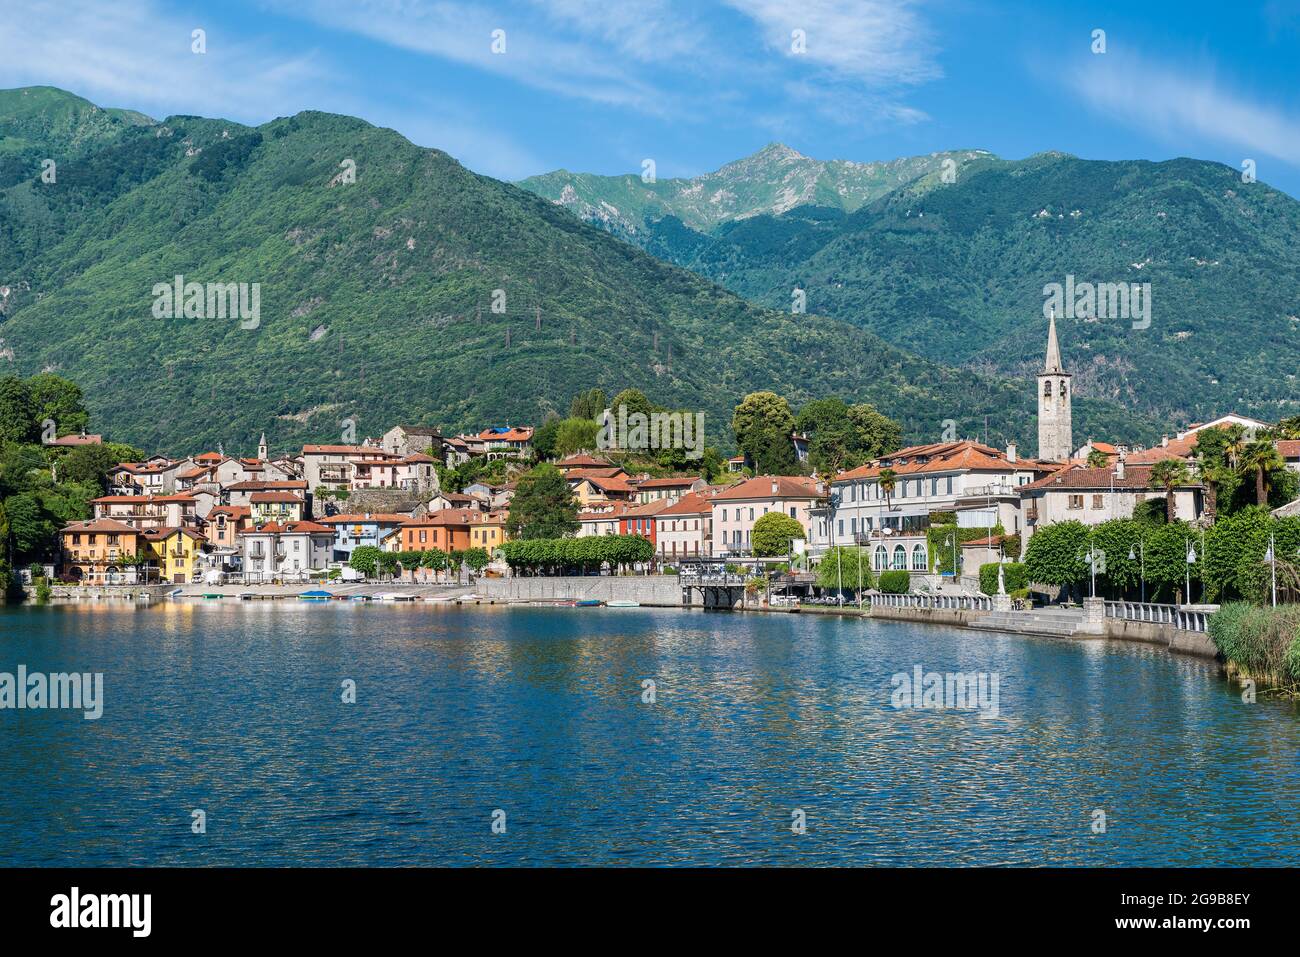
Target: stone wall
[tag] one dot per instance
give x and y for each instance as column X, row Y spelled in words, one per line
column 930, row 616
column 646, row 589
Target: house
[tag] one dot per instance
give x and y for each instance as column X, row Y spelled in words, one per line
column 225, row 522
column 157, row 476
column 736, row 463
column 347, row 466
column 508, row 442
column 737, row 508
column 981, row 551
column 977, row 481
column 582, row 461
column 241, row 493
column 454, row 500
column 276, row 507
column 1093, row 496
column 640, row 519
column 649, row 490
column 685, row 527
column 407, row 440
column 72, row 441
column 487, row 530
column 416, row 473
column 149, row 511
column 1289, row 449
column 456, row 451
column 446, row 530
column 354, row 530
column 102, row 551
column 594, row 486
column 601, row 521
column 180, row 553
column 289, row 551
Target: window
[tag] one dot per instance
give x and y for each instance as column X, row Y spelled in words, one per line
column 792, row 514
column 881, row 560
column 949, row 484
column 841, row 526
column 919, row 563
column 1096, row 502
column 1047, row 388
column 900, row 558
column 1076, row 501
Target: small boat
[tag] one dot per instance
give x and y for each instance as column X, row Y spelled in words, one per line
column 622, row 603
column 588, row 603
column 213, row 594
column 355, row 597
column 315, row 596
column 394, row 596
column 247, row 595
column 470, row 597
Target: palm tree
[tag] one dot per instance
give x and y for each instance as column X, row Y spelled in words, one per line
column 1234, row 443
column 1168, row 474
column 1261, row 457
column 1213, row 475
column 1097, row 459
column 888, row 482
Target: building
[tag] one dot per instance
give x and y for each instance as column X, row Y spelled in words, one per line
column 241, row 493
column 276, row 507
column 649, row 490
column 640, row 519
column 348, row 467
column 1055, row 428
column 180, row 553
column 1093, row 496
column 157, row 476
column 225, row 522
column 737, row 508
column 407, row 440
column 601, row 521
column 103, row 551
column 508, row 442
column 444, row 500
column 446, row 530
column 487, row 530
column 595, row 487
column 292, row 551
column 685, row 528
column 150, row 511
column 582, row 461
column 416, row 473
column 353, row 531
column 72, row 441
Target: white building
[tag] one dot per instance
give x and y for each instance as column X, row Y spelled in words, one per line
column 287, row 552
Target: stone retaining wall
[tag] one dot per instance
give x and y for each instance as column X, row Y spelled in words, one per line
column 646, row 589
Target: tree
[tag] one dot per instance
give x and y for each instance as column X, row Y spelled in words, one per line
column 365, row 559
column 1261, row 458
column 32, row 532
column 17, row 411
column 575, row 435
column 1169, row 474
column 774, row 533
column 58, row 400
column 588, row 405
column 1055, row 554
column 1097, row 459
column 762, row 424
column 543, row 505
column 888, row 480
column 544, row 437
column 844, row 436
column 87, row 463
column 634, row 400
column 839, row 568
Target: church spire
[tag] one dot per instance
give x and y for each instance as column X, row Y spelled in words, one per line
column 1053, row 363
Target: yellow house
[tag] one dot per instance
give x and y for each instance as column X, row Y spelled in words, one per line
column 488, row 531
column 177, row 552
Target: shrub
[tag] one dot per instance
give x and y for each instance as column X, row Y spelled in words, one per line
column 1262, row 641
column 895, row 582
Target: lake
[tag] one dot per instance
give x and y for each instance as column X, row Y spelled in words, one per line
column 537, row 720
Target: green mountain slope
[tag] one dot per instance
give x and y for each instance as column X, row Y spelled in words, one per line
column 376, row 300
column 772, row 181
column 957, row 272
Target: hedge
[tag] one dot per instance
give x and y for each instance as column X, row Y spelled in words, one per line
column 1014, row 577
column 555, row 556
column 895, row 582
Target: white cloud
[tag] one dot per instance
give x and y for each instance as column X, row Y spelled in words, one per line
column 1174, row 104
column 129, row 53
column 879, row 42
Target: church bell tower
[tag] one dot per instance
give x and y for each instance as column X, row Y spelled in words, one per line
column 1055, row 430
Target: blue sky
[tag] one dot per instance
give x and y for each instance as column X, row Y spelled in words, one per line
column 600, row 85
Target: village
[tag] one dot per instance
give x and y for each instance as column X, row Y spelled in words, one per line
column 300, row 517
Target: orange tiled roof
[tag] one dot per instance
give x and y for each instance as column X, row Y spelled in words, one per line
column 99, row 525
column 760, row 487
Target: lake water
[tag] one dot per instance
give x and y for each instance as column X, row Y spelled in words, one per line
column 235, row 709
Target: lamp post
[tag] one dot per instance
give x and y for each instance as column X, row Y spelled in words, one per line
column 1142, row 566
column 1191, row 560
column 952, row 540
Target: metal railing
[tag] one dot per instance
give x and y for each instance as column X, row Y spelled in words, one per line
column 1184, row 619
column 691, row 576
column 957, row 602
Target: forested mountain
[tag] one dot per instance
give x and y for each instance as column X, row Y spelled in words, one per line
column 956, row 271
column 379, row 266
